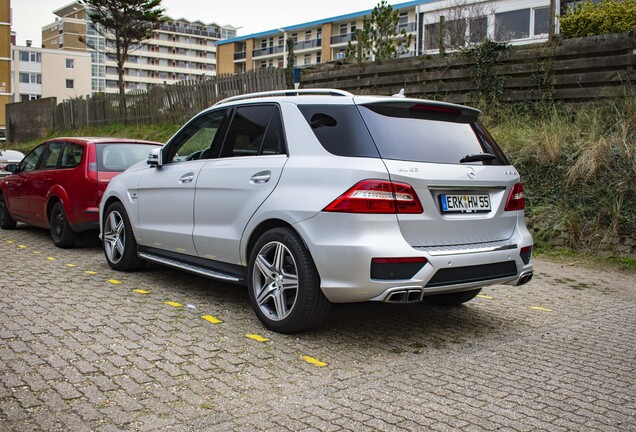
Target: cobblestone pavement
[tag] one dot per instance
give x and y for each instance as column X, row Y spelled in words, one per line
column 82, row 350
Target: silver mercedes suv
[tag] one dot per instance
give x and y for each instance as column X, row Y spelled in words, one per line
column 318, row 196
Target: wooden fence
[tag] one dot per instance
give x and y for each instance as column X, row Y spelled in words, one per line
column 167, row 103
column 574, row 71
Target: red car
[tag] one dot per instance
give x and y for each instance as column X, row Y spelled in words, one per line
column 59, row 184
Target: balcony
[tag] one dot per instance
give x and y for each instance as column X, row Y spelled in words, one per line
column 268, row 51
column 189, row 30
column 407, row 27
column 341, row 38
column 314, row 43
column 240, row 55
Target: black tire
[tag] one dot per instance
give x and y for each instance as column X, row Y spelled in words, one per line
column 452, row 299
column 6, row 221
column 61, row 232
column 120, row 246
column 298, row 309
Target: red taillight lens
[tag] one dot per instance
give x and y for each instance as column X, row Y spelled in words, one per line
column 91, row 166
column 377, row 196
column 516, row 199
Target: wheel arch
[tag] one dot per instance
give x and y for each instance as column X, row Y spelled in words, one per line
column 259, row 230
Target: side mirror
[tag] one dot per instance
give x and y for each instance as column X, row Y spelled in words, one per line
column 12, row 167
column 155, row 158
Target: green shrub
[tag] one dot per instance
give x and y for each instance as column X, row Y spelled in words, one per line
column 609, row 16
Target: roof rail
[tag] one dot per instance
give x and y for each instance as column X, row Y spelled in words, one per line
column 298, row 92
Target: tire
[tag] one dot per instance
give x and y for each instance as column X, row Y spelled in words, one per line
column 284, row 285
column 6, row 221
column 452, row 299
column 61, row 232
column 120, row 246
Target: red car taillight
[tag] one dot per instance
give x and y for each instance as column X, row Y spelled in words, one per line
column 516, row 199
column 91, row 166
column 377, row 196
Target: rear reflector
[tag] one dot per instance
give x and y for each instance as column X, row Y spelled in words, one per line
column 526, row 253
column 516, row 199
column 396, row 268
column 377, row 196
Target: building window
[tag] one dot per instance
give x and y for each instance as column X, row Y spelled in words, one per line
column 70, row 63
column 70, row 84
column 541, row 21
column 307, row 59
column 343, row 29
column 512, row 25
column 478, row 29
column 318, row 57
column 24, row 56
column 30, row 78
column 308, row 35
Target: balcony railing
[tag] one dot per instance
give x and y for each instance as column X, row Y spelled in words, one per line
column 314, row 43
column 239, row 55
column 188, row 30
column 268, row 51
column 408, row 27
column 343, row 38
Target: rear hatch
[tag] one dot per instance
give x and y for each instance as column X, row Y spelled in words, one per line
column 462, row 178
column 114, row 158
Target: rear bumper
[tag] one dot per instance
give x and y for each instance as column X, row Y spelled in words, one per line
column 343, row 247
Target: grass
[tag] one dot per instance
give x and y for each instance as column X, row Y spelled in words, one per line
column 160, row 133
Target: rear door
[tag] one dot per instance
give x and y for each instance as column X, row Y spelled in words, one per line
column 43, row 178
column 439, row 150
column 231, row 187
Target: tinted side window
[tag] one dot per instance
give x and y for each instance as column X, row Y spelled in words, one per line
column 51, row 156
column 71, row 155
column 255, row 130
column 30, row 161
column 402, row 133
column 340, row 130
column 198, row 139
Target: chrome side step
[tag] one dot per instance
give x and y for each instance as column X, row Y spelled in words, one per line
column 201, row 271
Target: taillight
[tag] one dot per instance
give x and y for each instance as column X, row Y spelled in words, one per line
column 377, row 196
column 91, row 166
column 526, row 253
column 516, row 199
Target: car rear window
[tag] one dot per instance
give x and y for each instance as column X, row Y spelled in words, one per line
column 340, row 130
column 428, row 133
column 118, row 156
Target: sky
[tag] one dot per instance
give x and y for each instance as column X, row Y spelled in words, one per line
column 253, row 16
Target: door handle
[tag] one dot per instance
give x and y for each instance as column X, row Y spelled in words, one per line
column 186, row 178
column 261, row 177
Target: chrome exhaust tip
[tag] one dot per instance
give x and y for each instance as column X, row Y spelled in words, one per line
column 524, row 278
column 405, row 296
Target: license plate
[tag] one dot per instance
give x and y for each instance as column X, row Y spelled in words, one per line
column 465, row 203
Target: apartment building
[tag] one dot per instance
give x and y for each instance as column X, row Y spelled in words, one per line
column 5, row 62
column 465, row 21
column 179, row 50
column 315, row 42
column 67, row 73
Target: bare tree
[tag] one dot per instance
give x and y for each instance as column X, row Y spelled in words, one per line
column 462, row 23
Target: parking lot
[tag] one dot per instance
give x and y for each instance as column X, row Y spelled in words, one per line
column 85, row 348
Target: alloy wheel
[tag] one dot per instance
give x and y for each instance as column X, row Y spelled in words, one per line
column 114, row 237
column 275, row 281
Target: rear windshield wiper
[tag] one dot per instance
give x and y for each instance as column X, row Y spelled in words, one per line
column 478, row 157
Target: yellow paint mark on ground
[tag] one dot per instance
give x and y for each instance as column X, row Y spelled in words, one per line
column 71, row 265
column 37, row 252
column 22, row 246
column 314, row 361
column 90, row 272
column 542, row 309
column 211, row 319
column 140, row 291
column 487, row 297
column 173, row 304
column 10, row 241
column 50, row 258
column 256, row 337
column 114, row 281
